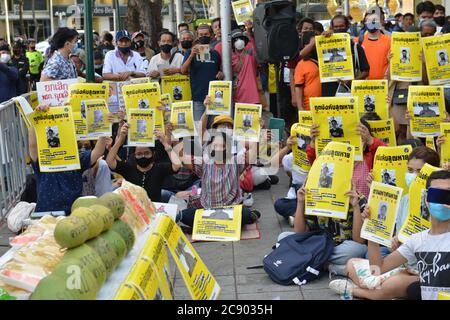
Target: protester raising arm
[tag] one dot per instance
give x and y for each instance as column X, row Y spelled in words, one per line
column 122, row 133
column 174, row 158
column 98, row 150
column 300, row 220
column 187, row 64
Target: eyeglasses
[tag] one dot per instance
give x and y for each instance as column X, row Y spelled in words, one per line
column 142, row 155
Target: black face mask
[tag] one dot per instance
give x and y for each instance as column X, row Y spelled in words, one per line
column 186, row 44
column 440, row 21
column 204, row 40
column 306, row 37
column 166, row 48
column 144, row 162
column 340, row 30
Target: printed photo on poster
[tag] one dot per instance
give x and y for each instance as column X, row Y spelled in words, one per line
column 186, row 257
column 335, row 125
column 369, row 103
column 424, row 212
column 388, row 177
column 141, row 126
column 426, row 109
column 53, row 137
column 218, row 214
column 326, row 175
column 98, row 116
column 177, row 93
column 143, row 104
column 247, row 120
column 442, row 56
column 404, row 55
column 303, row 141
column 382, row 211
column 83, row 109
column 334, row 55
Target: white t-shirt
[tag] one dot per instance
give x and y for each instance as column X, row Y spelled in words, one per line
column 158, row 64
column 432, row 254
column 114, row 63
column 297, row 178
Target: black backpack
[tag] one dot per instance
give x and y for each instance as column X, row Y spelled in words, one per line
column 299, row 258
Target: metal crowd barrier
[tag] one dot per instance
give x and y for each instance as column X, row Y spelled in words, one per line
column 13, row 155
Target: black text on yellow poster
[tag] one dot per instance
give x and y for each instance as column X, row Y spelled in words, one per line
column 371, row 96
column 436, row 50
column 384, row 130
column 418, row 214
column 80, row 92
column 98, row 124
column 426, row 105
column 142, row 127
column 55, row 134
column 145, row 96
column 247, row 124
column 405, row 63
column 199, row 281
column 220, row 93
column 337, row 118
column 383, row 204
column 129, row 291
column 182, row 119
column 305, row 117
column 179, row 87
column 218, row 224
column 445, row 147
column 143, row 275
column 328, row 180
column 390, row 166
column 335, row 57
column 243, row 11
column 302, row 135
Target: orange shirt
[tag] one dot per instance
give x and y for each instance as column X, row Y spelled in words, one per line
column 307, row 75
column 377, row 52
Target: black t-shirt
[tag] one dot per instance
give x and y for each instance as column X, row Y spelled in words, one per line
column 151, row 180
column 329, row 88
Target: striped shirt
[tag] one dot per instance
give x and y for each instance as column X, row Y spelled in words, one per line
column 220, row 183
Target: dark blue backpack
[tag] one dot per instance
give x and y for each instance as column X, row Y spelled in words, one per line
column 299, row 258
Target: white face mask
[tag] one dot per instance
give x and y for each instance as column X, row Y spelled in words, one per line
column 5, row 57
column 239, row 44
column 409, row 178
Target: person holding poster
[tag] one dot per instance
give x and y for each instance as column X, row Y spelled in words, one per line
column 165, row 63
column 371, row 96
column 142, row 124
column 247, row 122
column 426, row 108
column 220, row 93
column 428, row 249
column 436, row 51
column 384, row 201
column 59, row 178
column 361, row 169
column 143, row 169
column 243, row 11
column 182, row 120
column 178, row 87
column 405, row 63
column 384, row 130
column 60, row 66
column 97, row 119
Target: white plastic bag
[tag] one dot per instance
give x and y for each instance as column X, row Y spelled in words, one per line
column 18, row 214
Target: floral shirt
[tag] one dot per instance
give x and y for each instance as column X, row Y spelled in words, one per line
column 60, row 68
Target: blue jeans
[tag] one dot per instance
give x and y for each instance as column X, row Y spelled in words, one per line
column 285, row 207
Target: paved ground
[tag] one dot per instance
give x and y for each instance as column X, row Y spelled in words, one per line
column 228, row 262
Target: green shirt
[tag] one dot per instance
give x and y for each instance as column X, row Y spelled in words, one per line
column 35, row 59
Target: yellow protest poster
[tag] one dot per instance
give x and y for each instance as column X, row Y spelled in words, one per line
column 116, row 101
column 167, row 103
column 144, row 277
column 371, row 96
column 436, row 51
column 384, row 130
column 405, row 63
column 199, row 281
column 335, row 57
column 155, row 250
column 145, row 96
column 418, row 215
column 390, row 166
column 243, row 11
column 302, row 134
column 305, row 117
column 218, row 224
column 98, row 124
column 267, row 148
column 182, row 119
column 25, row 108
column 383, row 202
column 78, row 94
column 55, row 135
column 142, row 127
column 129, row 291
column 179, row 87
column 426, row 106
column 429, row 142
column 445, row 147
column 443, row 295
column 337, row 118
column 220, row 93
column 328, row 180
column 247, row 122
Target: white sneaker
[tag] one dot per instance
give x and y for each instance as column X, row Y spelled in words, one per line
column 248, row 199
column 291, row 220
column 341, row 286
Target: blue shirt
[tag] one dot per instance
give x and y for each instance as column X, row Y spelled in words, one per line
column 8, row 79
column 56, row 191
column 201, row 73
column 60, row 68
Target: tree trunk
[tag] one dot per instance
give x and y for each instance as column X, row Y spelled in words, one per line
column 36, row 26
column 23, row 32
column 145, row 15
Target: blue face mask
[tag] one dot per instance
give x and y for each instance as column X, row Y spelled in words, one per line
column 409, row 178
column 439, row 212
